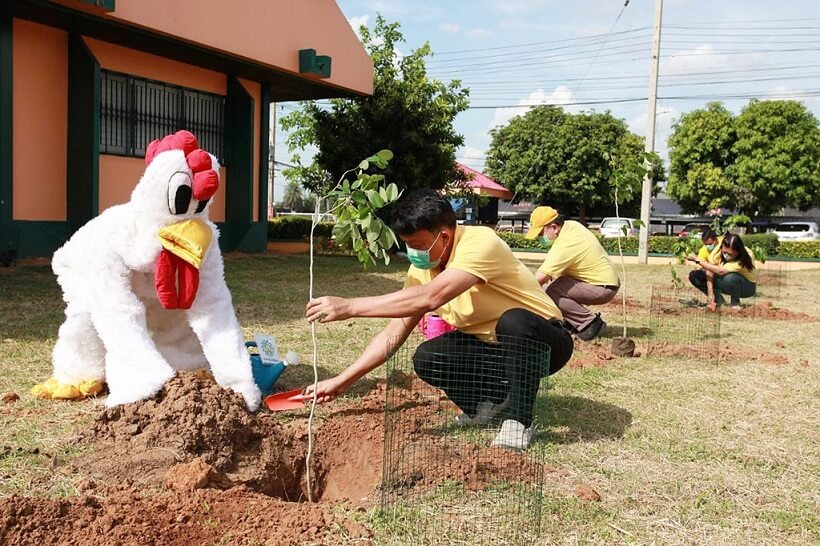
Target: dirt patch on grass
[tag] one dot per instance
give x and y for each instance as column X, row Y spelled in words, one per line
column 191, row 466
column 728, row 353
column 768, row 311
column 237, row 516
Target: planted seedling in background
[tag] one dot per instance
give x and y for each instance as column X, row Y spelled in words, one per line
column 626, row 179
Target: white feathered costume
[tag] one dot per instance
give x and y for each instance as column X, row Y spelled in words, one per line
column 134, row 315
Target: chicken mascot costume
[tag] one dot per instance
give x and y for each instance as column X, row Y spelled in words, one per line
column 145, row 290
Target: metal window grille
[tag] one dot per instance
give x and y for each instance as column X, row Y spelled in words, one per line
column 134, row 111
column 442, row 481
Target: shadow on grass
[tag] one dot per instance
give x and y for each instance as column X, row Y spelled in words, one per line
column 570, row 419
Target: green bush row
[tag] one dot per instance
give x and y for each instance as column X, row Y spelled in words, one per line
column 663, row 244
column 295, row 228
column 517, row 240
column 800, row 249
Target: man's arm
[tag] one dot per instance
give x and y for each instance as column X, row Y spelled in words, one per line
column 408, row 302
column 542, row 278
column 376, row 353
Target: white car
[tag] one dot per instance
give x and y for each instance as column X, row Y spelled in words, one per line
column 613, row 227
column 797, row 231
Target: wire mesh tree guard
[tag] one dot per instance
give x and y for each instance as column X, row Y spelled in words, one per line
column 681, row 325
column 443, row 482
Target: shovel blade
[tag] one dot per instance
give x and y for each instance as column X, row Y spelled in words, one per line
column 283, row 401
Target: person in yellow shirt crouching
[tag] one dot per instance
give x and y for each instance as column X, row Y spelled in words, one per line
column 709, row 252
column 491, row 366
column 734, row 274
column 577, row 271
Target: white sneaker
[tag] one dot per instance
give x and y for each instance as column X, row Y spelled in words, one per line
column 485, row 413
column 513, row 435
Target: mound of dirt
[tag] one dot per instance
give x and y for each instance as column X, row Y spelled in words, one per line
column 237, row 516
column 767, row 310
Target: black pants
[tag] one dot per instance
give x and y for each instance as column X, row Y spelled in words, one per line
column 470, row 370
column 734, row 284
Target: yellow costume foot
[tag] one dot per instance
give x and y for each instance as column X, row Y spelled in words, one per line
column 54, row 390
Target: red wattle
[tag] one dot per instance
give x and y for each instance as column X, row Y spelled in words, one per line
column 176, row 281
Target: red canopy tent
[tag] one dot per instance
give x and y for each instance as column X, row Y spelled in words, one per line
column 484, row 185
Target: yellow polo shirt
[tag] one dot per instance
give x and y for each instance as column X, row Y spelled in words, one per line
column 505, row 283
column 577, row 253
column 737, row 267
column 713, row 256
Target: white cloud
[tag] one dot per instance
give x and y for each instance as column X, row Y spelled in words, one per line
column 478, row 33
column 357, row 21
column 471, row 156
column 517, row 7
column 561, row 95
column 706, row 58
column 450, row 28
column 665, row 116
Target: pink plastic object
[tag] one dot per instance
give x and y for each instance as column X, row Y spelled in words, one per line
column 433, row 326
column 286, row 400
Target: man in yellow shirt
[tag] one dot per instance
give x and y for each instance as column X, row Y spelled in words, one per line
column 577, row 271
column 708, row 253
column 472, row 280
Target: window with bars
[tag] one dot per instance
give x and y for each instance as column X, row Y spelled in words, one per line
column 134, row 111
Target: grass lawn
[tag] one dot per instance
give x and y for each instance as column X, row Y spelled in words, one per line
column 681, row 451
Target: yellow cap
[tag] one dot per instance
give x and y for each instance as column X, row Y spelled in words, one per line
column 539, row 218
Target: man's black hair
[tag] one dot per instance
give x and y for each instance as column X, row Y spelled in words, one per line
column 423, row 209
column 708, row 234
column 559, row 220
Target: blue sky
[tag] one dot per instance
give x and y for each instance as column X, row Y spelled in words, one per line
column 516, row 53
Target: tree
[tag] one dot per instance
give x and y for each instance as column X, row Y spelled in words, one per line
column 408, row 113
column 777, row 157
column 758, row 162
column 700, row 153
column 550, row 156
column 293, row 196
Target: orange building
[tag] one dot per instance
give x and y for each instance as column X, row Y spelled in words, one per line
column 86, row 84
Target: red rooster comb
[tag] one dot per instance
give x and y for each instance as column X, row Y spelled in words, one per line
column 206, row 181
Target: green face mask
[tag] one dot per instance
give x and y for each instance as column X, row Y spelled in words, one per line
column 546, row 241
column 421, row 258
column 711, row 247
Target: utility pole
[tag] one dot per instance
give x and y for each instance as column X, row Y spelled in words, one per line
column 646, row 191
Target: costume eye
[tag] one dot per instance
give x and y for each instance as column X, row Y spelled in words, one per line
column 179, row 193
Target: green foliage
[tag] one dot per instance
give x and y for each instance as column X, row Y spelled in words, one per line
column 768, row 243
column 721, row 224
column 766, row 158
column 356, row 203
column 517, row 240
column 700, row 152
column 295, row 228
column 408, row 113
column 683, row 246
column 294, row 196
column 800, row 249
column 566, row 160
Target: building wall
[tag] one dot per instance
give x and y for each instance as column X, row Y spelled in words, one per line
column 269, row 32
column 119, row 175
column 40, row 121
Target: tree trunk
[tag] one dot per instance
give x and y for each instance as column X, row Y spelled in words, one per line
column 582, row 213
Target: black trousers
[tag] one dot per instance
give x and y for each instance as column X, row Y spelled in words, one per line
column 470, row 370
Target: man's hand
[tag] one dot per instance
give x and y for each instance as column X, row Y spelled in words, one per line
column 692, row 258
column 328, row 389
column 328, row 309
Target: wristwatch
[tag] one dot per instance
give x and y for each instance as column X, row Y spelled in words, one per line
column 697, row 261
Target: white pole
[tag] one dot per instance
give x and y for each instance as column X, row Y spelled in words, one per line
column 646, row 192
column 271, row 156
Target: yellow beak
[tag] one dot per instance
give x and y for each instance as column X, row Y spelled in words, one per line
column 188, row 239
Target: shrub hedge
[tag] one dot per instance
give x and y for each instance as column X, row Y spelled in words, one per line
column 663, row 244
column 295, row 228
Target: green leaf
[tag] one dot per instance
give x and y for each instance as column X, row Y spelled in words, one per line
column 375, row 199
column 386, row 155
column 363, row 165
column 392, row 192
column 638, row 223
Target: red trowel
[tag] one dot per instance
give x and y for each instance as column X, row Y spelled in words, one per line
column 289, row 400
